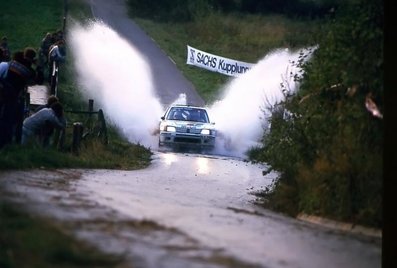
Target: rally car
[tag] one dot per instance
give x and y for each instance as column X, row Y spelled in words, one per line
column 185, row 125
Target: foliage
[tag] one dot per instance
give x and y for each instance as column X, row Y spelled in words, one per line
column 188, row 10
column 172, row 10
column 326, row 145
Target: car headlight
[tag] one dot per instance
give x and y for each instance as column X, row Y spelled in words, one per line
column 170, row 129
column 205, row 131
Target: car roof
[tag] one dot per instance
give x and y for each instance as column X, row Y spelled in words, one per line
column 187, row 105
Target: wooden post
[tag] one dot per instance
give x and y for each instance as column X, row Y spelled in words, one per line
column 77, row 135
column 102, row 125
column 90, row 105
column 90, row 110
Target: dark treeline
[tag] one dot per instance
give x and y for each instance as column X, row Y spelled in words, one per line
column 185, row 10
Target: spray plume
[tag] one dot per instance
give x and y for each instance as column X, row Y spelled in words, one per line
column 113, row 73
column 240, row 115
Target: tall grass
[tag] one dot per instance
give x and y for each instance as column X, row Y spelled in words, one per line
column 25, row 22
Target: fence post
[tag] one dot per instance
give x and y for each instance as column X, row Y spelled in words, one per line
column 90, row 105
column 102, row 127
column 90, row 111
column 77, row 135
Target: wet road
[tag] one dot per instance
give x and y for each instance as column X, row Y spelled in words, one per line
column 184, row 211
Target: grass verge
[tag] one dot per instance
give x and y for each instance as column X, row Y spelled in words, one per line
column 26, row 241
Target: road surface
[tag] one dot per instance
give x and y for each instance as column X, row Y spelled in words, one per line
column 184, row 210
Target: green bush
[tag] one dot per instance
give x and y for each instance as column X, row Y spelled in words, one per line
column 187, row 10
column 329, row 148
column 171, row 10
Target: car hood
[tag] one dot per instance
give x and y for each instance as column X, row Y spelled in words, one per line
column 189, row 124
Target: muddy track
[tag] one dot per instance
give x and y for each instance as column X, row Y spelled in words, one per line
column 202, row 217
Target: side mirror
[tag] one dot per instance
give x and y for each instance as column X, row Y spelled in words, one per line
column 162, row 118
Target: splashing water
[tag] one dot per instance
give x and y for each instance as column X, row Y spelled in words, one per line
column 117, row 76
column 240, row 115
column 113, row 73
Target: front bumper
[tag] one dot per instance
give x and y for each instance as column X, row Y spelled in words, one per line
column 186, row 139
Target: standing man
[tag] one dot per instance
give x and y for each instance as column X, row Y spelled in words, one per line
column 20, row 74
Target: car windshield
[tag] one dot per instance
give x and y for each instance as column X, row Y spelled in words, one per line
column 188, row 114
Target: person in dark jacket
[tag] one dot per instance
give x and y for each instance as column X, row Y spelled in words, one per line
column 42, row 121
column 57, row 55
column 47, row 131
column 20, row 74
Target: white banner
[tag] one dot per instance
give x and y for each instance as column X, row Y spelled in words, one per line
column 216, row 63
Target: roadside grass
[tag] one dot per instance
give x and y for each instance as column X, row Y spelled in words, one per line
column 33, row 156
column 243, row 37
column 26, row 241
column 25, row 22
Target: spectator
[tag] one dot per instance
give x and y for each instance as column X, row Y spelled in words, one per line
column 47, row 132
column 42, row 124
column 20, row 74
column 6, row 55
column 58, row 35
column 46, row 43
column 57, row 54
column 51, row 99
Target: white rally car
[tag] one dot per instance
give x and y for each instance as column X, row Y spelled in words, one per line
column 189, row 126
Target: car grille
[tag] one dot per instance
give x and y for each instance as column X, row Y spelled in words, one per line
column 187, row 140
column 188, row 130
